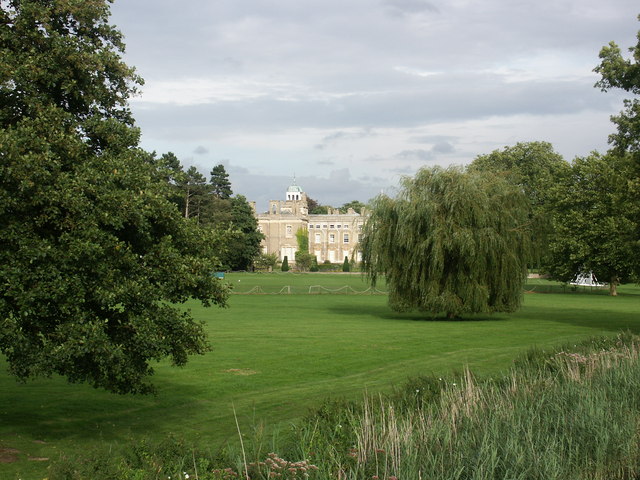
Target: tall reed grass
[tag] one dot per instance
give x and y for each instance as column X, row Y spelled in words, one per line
column 571, row 414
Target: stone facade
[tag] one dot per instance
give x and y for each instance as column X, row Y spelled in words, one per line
column 332, row 236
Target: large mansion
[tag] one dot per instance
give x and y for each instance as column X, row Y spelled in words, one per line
column 331, row 237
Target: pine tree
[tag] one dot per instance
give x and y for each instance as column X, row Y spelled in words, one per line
column 285, row 264
column 221, row 186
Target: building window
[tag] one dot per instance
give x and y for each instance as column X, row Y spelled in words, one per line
column 359, row 238
column 317, row 238
column 317, row 226
column 345, row 238
column 346, row 226
column 310, row 226
column 332, row 238
column 324, row 226
column 289, row 230
column 332, row 226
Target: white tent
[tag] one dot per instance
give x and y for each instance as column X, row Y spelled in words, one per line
column 586, row 280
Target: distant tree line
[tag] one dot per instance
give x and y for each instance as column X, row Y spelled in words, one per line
column 211, row 203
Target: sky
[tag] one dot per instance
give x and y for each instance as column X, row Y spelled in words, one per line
column 347, row 97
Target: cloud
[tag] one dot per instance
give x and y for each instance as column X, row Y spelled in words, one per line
column 200, row 150
column 343, row 135
column 443, row 147
column 416, row 155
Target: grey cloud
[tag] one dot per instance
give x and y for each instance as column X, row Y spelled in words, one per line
column 336, row 189
column 200, row 150
column 343, row 135
column 443, row 147
column 419, row 154
column 479, row 98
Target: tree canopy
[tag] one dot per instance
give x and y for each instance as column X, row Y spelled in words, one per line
column 536, row 168
column 94, row 252
column 594, row 231
column 624, row 73
column 451, row 242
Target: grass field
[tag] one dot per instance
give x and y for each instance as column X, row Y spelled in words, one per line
column 275, row 356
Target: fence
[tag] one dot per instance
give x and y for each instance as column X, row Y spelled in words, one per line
column 312, row 290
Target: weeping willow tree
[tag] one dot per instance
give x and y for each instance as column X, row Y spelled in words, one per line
column 450, row 243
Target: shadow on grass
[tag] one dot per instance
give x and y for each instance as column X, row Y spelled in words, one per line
column 55, row 410
column 386, row 313
column 608, row 319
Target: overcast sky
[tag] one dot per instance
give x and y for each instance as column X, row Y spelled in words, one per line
column 349, row 95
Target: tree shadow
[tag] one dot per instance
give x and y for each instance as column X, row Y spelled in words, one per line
column 52, row 410
column 386, row 313
column 598, row 319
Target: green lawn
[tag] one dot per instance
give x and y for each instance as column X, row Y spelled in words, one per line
column 275, row 356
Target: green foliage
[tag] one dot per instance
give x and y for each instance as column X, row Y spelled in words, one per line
column 95, row 254
column 623, row 73
column 304, row 260
column 195, row 192
column 285, row 264
column 595, row 222
column 346, row 267
column 355, row 204
column 314, row 264
column 172, row 457
column 220, row 184
column 244, row 242
column 619, row 72
column 302, row 237
column 536, row 168
column 451, row 242
column 315, row 208
column 266, row 261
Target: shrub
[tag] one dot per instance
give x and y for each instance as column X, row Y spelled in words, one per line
column 345, row 265
column 285, row 264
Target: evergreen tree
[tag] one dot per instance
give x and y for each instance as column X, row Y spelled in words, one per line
column 244, row 243
column 221, row 186
column 285, row 264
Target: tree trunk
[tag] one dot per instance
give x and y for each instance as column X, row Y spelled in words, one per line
column 613, row 286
